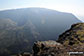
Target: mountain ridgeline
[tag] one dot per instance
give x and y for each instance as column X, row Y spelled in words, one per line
column 20, row 28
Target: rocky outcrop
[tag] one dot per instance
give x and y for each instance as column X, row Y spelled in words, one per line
column 48, row 48
column 73, row 36
column 70, row 43
column 53, row 48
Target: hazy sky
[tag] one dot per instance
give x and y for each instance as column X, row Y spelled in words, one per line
column 72, row 6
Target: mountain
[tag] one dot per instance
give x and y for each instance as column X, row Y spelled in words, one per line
column 20, row 28
column 42, row 20
column 63, row 46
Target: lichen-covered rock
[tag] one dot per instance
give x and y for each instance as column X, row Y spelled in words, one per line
column 53, row 48
column 49, row 48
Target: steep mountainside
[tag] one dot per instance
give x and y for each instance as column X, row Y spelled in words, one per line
column 14, row 39
column 20, row 28
column 73, row 36
column 48, row 23
column 70, row 43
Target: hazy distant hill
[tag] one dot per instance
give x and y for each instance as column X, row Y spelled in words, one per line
column 21, row 27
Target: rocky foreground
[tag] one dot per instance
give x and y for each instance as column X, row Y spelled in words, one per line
column 70, row 43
